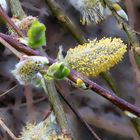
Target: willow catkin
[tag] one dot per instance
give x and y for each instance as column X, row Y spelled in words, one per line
column 27, row 69
column 91, row 10
column 90, row 59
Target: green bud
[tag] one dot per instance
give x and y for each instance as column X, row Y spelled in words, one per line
column 38, row 83
column 36, row 35
column 58, row 70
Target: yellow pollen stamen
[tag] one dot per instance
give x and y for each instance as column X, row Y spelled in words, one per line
column 90, row 59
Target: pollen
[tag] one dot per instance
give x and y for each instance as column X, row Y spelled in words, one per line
column 90, row 59
column 27, row 69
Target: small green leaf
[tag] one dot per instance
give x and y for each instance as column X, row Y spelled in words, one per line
column 36, row 35
column 58, row 70
column 38, row 82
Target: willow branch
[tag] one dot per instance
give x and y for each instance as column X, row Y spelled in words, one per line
column 54, row 100
column 17, row 9
column 8, row 21
column 20, row 47
column 110, row 96
column 3, row 125
column 133, row 40
column 122, row 104
column 65, row 21
column 14, row 51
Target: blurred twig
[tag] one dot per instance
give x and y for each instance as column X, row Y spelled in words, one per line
column 60, row 91
column 100, row 121
column 48, row 112
column 8, row 130
column 132, row 40
column 61, row 16
column 54, row 100
column 30, row 106
column 8, row 21
column 8, row 91
column 14, row 51
column 17, row 9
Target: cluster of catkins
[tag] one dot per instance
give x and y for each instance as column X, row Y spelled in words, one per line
column 89, row 59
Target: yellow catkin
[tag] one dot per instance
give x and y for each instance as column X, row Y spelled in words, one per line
column 41, row 131
column 26, row 70
column 90, row 59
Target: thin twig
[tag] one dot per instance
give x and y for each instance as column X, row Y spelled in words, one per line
column 77, row 113
column 61, row 17
column 25, row 104
column 14, row 51
column 119, row 102
column 17, row 9
column 8, row 130
column 7, row 20
column 20, row 47
column 30, row 106
column 133, row 40
column 54, row 100
column 8, row 91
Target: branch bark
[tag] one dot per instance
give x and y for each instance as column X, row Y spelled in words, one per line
column 110, row 96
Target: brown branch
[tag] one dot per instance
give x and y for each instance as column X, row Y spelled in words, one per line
column 30, row 106
column 48, row 112
column 8, row 91
column 20, row 47
column 16, row 9
column 57, row 106
column 65, row 21
column 110, row 96
column 7, row 20
column 14, row 51
column 3, row 125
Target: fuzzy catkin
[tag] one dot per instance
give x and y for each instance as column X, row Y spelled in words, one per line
column 91, row 10
column 90, row 59
column 28, row 69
